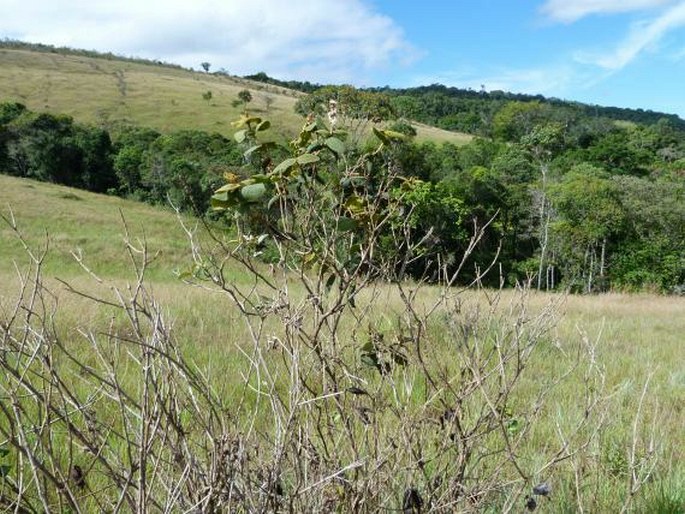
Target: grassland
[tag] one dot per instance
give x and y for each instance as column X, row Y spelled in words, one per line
column 638, row 338
column 104, row 92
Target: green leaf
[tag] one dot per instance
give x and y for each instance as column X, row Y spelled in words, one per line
column 335, row 145
column 314, row 147
column 217, row 202
column 346, row 224
column 4, row 471
column 251, row 150
column 227, row 188
column 285, row 166
column 263, row 125
column 272, row 201
column 356, row 205
column 253, row 192
column 307, row 158
column 380, row 135
column 370, row 359
column 4, row 452
column 330, row 282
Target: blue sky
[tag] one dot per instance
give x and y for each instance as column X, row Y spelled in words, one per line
column 627, row 53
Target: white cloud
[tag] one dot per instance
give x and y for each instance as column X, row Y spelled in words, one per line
column 319, row 40
column 642, row 36
column 569, row 11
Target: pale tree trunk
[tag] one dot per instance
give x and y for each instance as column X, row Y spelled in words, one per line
column 591, row 270
column 544, row 220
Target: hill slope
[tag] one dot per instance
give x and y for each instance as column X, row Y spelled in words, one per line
column 103, row 91
column 75, row 220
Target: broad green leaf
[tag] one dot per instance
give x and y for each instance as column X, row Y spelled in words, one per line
column 263, row 125
column 307, row 158
column 218, row 204
column 260, row 178
column 314, row 147
column 285, row 165
column 335, row 145
column 370, row 359
column 253, row 192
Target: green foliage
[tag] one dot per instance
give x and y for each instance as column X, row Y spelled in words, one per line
column 517, row 119
column 185, row 167
column 130, row 159
column 352, row 103
column 245, row 96
column 651, row 255
column 55, row 149
column 588, row 217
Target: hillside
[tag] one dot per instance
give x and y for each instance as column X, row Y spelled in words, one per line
column 71, row 220
column 103, row 91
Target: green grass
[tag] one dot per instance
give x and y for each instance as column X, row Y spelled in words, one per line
column 71, row 220
column 638, row 338
column 104, row 92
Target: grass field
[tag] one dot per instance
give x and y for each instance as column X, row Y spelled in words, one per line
column 102, row 92
column 638, row 340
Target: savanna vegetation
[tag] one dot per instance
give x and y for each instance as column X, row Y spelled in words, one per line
column 350, row 320
column 584, row 204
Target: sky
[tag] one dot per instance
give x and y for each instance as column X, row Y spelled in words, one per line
column 625, row 53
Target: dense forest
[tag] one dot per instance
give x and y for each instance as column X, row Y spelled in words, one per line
column 568, row 196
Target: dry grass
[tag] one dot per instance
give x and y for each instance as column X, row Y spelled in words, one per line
column 638, row 339
column 102, row 91
column 437, row 135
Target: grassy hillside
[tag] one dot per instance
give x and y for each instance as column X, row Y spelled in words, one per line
column 103, row 91
column 71, row 220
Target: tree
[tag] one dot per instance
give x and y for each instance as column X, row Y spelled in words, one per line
column 516, row 119
column 205, row 66
column 543, row 142
column 588, row 215
column 245, row 96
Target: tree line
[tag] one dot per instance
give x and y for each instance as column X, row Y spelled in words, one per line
column 569, row 199
column 141, row 163
column 586, row 204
